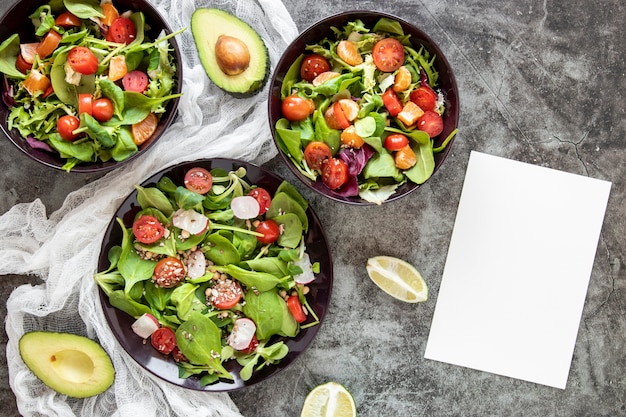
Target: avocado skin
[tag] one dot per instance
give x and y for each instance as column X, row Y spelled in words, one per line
column 206, row 26
column 40, row 350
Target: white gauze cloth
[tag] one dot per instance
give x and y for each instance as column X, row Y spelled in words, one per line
column 63, row 249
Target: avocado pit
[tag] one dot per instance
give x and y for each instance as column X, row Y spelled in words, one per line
column 232, row 55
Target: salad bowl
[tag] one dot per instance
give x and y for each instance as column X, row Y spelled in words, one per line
column 288, row 79
column 163, row 365
column 17, row 21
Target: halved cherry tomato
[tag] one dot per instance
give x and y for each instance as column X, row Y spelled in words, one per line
column 66, row 125
column 148, row 229
column 388, row 54
column 163, row 340
column 254, row 343
column 315, row 153
column 122, row 30
column 396, row 141
column 425, row 97
column 85, row 103
column 270, row 230
column 198, row 180
column 82, row 60
column 392, row 102
column 36, row 82
column 334, row 173
column 67, row 20
column 136, row 81
column 295, row 308
column 225, row 294
column 102, row 109
column 340, row 116
column 312, row 66
column 431, row 123
column 296, row 108
column 110, row 14
column 21, row 64
column 144, row 130
column 168, row 272
column 48, row 44
column 263, row 197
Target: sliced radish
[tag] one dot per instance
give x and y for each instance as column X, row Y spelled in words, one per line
column 242, row 334
column 145, row 325
column 307, row 272
column 196, row 264
column 191, row 221
column 245, row 207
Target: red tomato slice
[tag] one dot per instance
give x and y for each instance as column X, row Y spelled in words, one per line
column 66, row 126
column 136, row 81
column 295, row 308
column 315, row 153
column 270, row 230
column 312, row 66
column 431, row 123
column 163, row 340
column 148, row 229
column 67, row 20
column 225, row 294
column 48, row 44
column 85, row 103
column 122, row 30
column 388, row 54
column 168, row 272
column 425, row 97
column 392, row 102
column 340, row 116
column 82, row 60
column 102, row 109
column 395, row 142
column 198, row 180
column 334, row 173
column 263, row 197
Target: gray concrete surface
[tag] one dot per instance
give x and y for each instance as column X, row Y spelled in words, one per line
column 541, row 82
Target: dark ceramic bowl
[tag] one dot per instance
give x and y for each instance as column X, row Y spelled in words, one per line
column 322, row 29
column 16, row 21
column 163, row 366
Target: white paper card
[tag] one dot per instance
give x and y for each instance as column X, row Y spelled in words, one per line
column 517, row 270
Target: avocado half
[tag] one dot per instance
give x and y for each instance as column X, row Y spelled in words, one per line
column 210, row 27
column 69, row 364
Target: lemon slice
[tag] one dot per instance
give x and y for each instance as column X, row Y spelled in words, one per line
column 397, row 278
column 329, row 400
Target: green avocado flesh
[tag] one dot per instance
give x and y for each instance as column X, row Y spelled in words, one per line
column 69, row 364
column 207, row 25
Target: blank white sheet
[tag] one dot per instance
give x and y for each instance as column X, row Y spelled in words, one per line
column 517, row 270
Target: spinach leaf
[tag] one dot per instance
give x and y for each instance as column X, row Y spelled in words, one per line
column 425, row 165
column 220, row 250
column 124, row 145
column 291, row 230
column 9, row 50
column 130, row 265
column 289, row 189
column 260, row 281
column 153, row 197
column 283, row 203
column 187, row 199
column 84, row 9
column 183, row 298
column 157, row 297
column 271, row 315
column 114, row 93
column 270, row 265
column 118, row 299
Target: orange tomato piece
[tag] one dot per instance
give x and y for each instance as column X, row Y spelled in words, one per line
column 117, row 68
column 144, row 130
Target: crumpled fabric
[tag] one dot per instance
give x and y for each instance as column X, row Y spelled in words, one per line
column 62, row 249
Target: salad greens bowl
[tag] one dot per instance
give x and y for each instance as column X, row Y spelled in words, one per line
column 207, row 349
column 363, row 107
column 87, row 86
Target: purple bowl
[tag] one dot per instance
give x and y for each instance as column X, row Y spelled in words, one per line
column 322, row 29
column 16, row 20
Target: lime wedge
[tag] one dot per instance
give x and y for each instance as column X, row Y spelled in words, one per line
column 397, row 278
column 329, row 400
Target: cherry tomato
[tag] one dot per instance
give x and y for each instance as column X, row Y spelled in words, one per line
column 82, row 60
column 340, row 116
column 263, row 197
column 315, row 153
column 334, row 173
column 66, row 125
column 225, row 294
column 425, row 97
column 163, row 340
column 296, row 108
column 122, row 30
column 198, row 180
column 21, row 64
column 168, row 272
column 85, row 103
column 392, row 102
column 147, row 229
column 136, row 81
column 48, row 44
column 388, row 54
column 102, row 109
column 312, row 66
column 178, row 355
column 270, row 230
column 254, row 343
column 396, row 141
column 142, row 131
column 67, row 20
column 295, row 308
column 431, row 123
